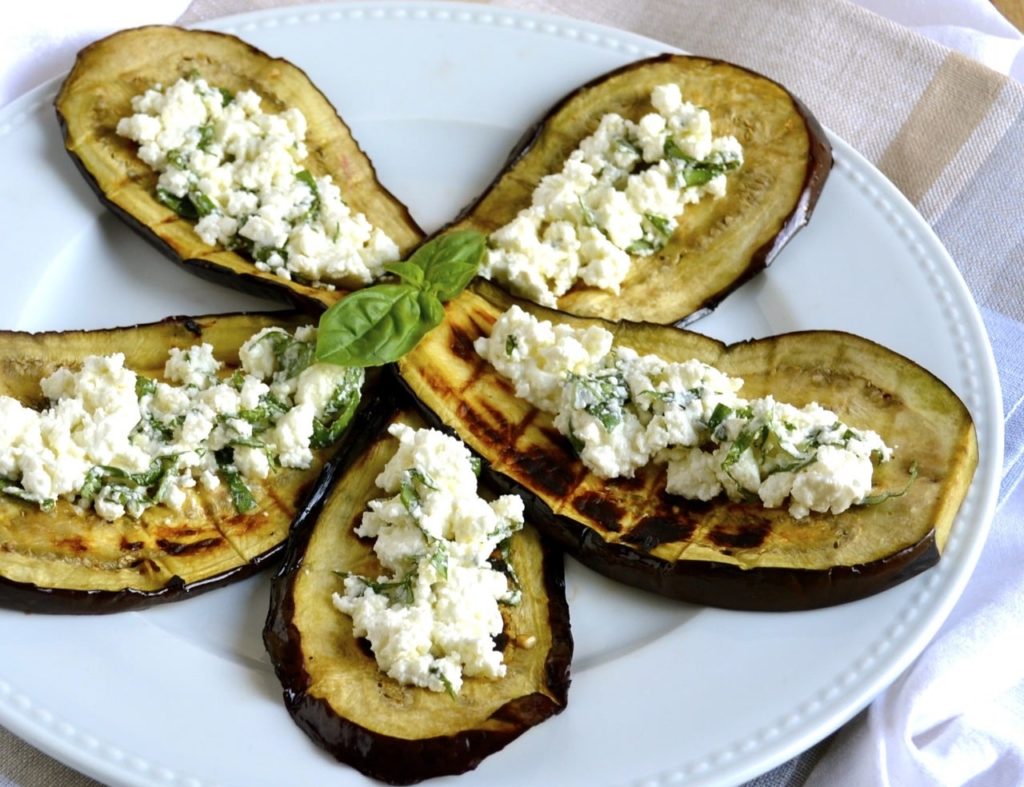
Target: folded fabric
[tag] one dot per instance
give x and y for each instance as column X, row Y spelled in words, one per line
column 1007, row 337
column 972, row 27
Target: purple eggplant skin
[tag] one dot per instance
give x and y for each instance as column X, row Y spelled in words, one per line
column 98, row 92
column 719, row 244
column 71, row 561
column 379, row 734
column 719, row 553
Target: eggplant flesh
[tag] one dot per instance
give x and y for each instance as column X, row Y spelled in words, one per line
column 98, row 92
column 720, row 553
column 333, row 687
column 719, row 243
column 71, row 560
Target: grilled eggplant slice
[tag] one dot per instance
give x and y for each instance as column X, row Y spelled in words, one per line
column 719, row 553
column 98, row 93
column 719, row 243
column 72, row 561
column 332, row 685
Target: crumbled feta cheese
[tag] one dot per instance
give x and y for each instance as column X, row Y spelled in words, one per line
column 431, row 618
column 537, row 355
column 622, row 410
column 620, row 193
column 121, row 443
column 239, row 170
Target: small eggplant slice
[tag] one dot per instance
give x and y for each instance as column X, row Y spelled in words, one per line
column 332, row 685
column 98, row 92
column 719, row 243
column 70, row 560
column 720, row 553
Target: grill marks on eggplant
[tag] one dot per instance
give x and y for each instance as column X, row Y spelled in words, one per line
column 98, row 93
column 720, row 552
column 332, row 685
column 70, row 560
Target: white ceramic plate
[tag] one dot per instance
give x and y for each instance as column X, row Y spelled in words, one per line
column 662, row 693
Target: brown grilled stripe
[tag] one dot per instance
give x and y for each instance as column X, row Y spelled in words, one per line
column 956, row 100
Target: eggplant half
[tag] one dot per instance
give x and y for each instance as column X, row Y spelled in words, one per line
column 720, row 553
column 98, row 92
column 333, row 687
column 719, row 243
column 70, row 560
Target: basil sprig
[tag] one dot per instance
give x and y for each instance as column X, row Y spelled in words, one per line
column 380, row 324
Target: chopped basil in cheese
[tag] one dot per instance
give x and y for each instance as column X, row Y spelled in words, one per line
column 622, row 410
column 620, row 193
column 432, row 616
column 238, row 172
column 120, row 442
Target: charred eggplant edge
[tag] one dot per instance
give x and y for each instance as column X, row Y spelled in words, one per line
column 388, row 758
column 33, row 598
column 819, row 166
column 265, row 286
column 760, row 589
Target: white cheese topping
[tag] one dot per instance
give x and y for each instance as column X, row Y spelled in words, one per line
column 620, row 193
column 238, row 170
column 432, row 615
column 122, row 443
column 622, row 411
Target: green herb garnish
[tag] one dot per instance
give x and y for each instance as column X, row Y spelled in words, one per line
column 381, row 323
column 874, row 500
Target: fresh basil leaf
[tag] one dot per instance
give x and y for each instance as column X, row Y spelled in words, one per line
column 626, row 146
column 176, row 159
column 205, row 137
column 181, row 205
column 589, row 220
column 450, row 261
column 241, row 495
column 674, row 152
column 204, row 205
column 409, row 272
column 439, row 560
column 642, row 247
column 377, row 325
column 874, row 500
column 718, row 415
column 144, row 386
column 699, row 174
column 305, row 177
column 663, row 225
column 339, row 410
column 46, row 504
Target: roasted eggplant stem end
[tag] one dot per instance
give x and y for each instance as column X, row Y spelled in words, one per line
column 332, row 685
column 720, row 553
column 98, row 92
column 71, row 561
column 720, row 243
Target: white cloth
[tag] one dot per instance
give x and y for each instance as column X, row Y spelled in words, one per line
column 973, row 27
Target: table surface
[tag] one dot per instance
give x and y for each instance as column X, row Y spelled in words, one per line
column 1012, row 10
